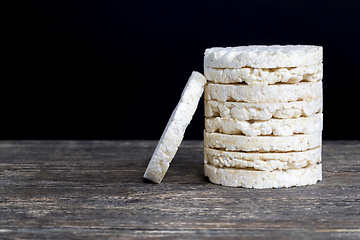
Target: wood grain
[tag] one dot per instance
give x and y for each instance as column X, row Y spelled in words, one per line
column 95, row 190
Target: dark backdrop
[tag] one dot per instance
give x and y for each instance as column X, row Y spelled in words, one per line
column 115, row 69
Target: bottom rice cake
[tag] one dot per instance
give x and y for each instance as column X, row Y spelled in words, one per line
column 298, row 142
column 262, row 161
column 250, row 178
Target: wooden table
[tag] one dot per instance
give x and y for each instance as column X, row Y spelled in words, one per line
column 96, row 190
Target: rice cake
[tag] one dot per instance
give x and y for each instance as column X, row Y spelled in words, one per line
column 278, row 127
column 264, row 76
column 274, row 56
column 264, row 179
column 262, row 111
column 303, row 91
column 175, row 128
column 262, row 161
column 298, row 142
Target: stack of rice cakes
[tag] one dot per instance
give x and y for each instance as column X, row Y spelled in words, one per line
column 263, row 108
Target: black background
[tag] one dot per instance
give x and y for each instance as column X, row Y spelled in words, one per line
column 115, row 69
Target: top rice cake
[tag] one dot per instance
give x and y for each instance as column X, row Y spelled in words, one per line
column 275, row 56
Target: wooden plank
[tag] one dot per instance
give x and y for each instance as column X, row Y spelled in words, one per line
column 95, row 190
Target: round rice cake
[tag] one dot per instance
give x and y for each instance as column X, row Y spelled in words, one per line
column 262, row 161
column 303, row 91
column 277, row 127
column 249, row 178
column 175, row 128
column 298, row 142
column 274, row 56
column 264, row 76
column 262, row 111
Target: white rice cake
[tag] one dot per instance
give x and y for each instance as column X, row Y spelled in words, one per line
column 264, row 179
column 303, row 91
column 264, row 76
column 175, row 128
column 298, row 142
column 262, row 161
column 262, row 111
column 274, row 56
column 278, row 127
